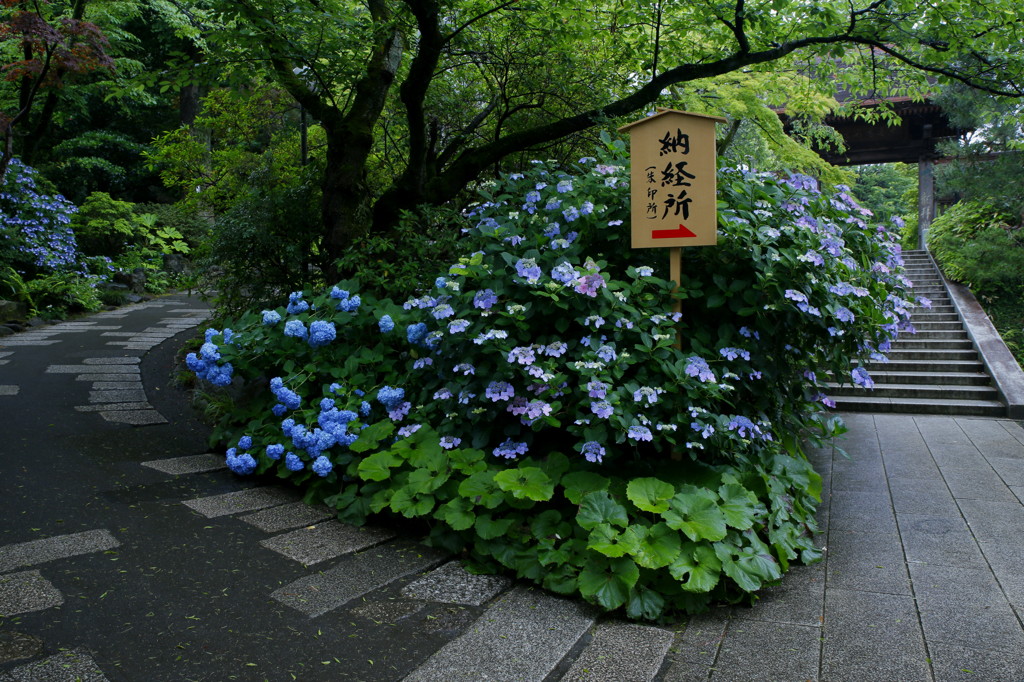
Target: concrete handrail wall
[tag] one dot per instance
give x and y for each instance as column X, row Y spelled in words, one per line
column 998, row 360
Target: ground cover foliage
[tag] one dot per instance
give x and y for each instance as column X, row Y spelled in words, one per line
column 531, row 407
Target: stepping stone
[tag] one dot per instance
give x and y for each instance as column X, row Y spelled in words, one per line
column 287, row 516
column 622, row 651
column 356, row 575
column 134, row 417
column 104, row 407
column 523, row 636
column 325, row 541
column 98, row 369
column 110, row 377
column 191, row 464
column 452, row 584
column 25, row 592
column 240, row 501
column 58, row 547
column 9, row 389
column 76, row 665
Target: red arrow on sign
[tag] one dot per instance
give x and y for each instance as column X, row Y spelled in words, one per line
column 682, row 231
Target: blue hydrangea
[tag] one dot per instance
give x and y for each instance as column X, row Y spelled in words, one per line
column 275, row 451
column 528, row 269
column 245, row 442
column 415, row 333
column 350, row 305
column 640, row 433
column 386, row 324
column 698, row 367
column 322, row 466
column 295, row 329
column 564, row 186
column 510, row 449
column 295, row 303
column 390, row 397
column 243, row 465
column 484, row 299
column 271, row 317
column 293, row 463
column 862, row 378
column 321, row 333
column 593, row 451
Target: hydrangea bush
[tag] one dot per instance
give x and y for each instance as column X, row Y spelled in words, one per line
column 35, row 226
column 543, row 407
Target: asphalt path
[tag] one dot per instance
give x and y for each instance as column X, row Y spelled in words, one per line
column 159, row 592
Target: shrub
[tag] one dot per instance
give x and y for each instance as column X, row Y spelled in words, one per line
column 981, row 247
column 532, row 404
column 34, row 225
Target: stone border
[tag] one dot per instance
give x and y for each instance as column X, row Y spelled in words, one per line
column 998, row 360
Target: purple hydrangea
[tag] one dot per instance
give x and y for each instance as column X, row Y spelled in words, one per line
column 593, row 451
column 484, row 299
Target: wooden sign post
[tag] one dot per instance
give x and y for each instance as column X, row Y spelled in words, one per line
column 672, row 183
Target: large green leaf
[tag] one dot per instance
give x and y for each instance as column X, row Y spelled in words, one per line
column 425, row 480
column 612, row 543
column 650, row 494
column 457, row 513
column 481, row 489
column 598, row 507
column 697, row 516
column 550, row 525
column 529, row 483
column 739, row 506
column 490, row 528
column 658, row 546
column 377, row 467
column 608, row 581
column 579, row 483
column 645, row 603
column 372, row 435
column 697, row 567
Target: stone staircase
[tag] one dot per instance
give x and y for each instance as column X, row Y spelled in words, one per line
column 935, row 371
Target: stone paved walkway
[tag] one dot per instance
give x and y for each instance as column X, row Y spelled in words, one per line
column 128, row 552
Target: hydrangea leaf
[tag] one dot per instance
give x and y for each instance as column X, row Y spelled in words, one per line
column 579, row 483
column 561, row 579
column 468, row 460
column 409, row 504
column 645, row 603
column 481, row 489
column 739, row 506
column 697, row 516
column 377, row 467
column 598, row 507
column 529, row 483
column 697, row 568
column 426, row 481
column 556, row 463
column 650, row 494
column 550, row 524
column 372, row 435
column 489, row 528
column 658, row 546
column 608, row 581
column 457, row 513
column 612, row 543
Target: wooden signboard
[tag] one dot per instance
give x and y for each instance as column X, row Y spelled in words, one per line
column 672, row 180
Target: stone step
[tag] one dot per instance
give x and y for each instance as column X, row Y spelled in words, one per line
column 934, row 316
column 973, row 408
column 918, row 391
column 954, row 332
column 908, row 342
column 951, row 325
column 913, row 365
column 941, row 378
column 936, row 356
